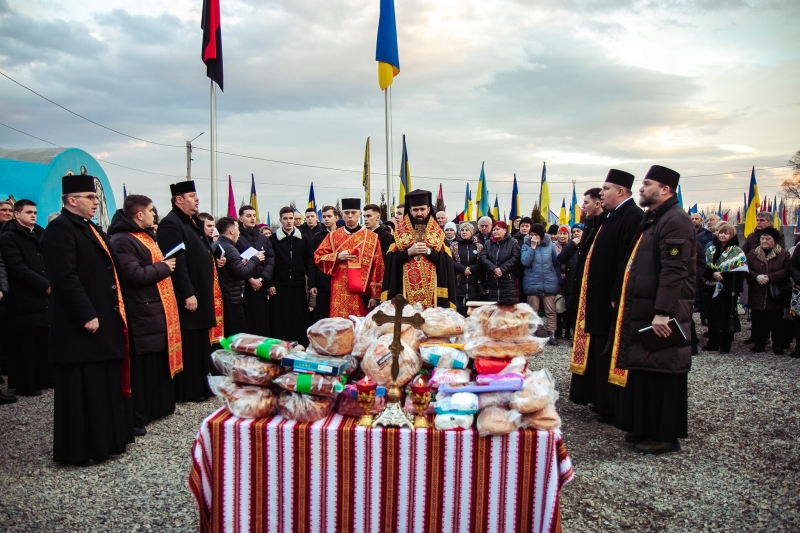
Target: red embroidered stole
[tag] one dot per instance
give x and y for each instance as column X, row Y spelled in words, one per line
column 126, row 363
column 580, row 344
column 617, row 376
column 170, row 303
column 419, row 274
column 216, row 332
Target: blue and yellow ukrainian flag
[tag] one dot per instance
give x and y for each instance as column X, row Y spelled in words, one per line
column 515, row 210
column 563, row 218
column 469, row 207
column 544, row 195
column 680, row 197
column 254, row 196
column 753, row 203
column 482, row 196
column 312, row 202
column 386, row 53
column 574, row 209
column 405, row 174
column 466, row 214
column 496, row 210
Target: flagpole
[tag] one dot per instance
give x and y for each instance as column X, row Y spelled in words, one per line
column 388, row 149
column 213, row 152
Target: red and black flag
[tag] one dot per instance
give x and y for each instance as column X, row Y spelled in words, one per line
column 212, row 41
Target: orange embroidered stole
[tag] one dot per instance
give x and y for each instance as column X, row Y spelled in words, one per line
column 617, row 376
column 218, row 331
column 170, row 303
column 580, row 344
column 125, row 372
column 354, row 279
column 419, row 274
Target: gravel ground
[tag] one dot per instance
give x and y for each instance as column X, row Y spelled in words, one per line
column 738, row 470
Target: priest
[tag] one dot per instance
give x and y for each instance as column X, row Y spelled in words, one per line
column 352, row 256
column 418, row 264
column 196, row 289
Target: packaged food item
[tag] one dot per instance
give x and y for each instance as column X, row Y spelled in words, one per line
column 309, row 361
column 443, row 340
column 316, row 384
column 348, row 406
column 304, row 407
column 450, row 421
column 479, row 388
column 488, row 399
column 363, row 336
column 444, row 355
column 244, row 401
column 387, row 308
column 413, row 337
column 463, row 403
column 377, row 362
column 505, row 348
column 441, row 322
column 498, row 420
column 264, row 347
column 441, row 376
column 509, row 377
column 501, row 366
column 546, row 419
column 332, row 336
column 538, row 390
column 502, row 321
column 245, row 368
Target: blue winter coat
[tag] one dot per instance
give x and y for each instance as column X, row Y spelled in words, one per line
column 542, row 271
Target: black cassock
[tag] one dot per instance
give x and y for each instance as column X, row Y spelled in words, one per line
column 445, row 276
column 256, row 303
column 289, row 316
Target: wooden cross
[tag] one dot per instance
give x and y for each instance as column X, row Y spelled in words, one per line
column 398, row 319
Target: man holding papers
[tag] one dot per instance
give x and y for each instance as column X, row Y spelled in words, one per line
column 256, row 301
column 657, row 290
column 196, row 289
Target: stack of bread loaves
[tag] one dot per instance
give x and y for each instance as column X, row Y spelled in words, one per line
column 244, row 385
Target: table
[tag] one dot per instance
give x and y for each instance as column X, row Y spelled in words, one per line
column 278, row 475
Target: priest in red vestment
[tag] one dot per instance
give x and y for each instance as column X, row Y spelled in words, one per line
column 351, row 255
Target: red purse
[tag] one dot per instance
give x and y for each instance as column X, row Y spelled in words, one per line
column 354, row 282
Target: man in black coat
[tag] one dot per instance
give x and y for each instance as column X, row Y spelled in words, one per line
column 256, row 301
column 233, row 275
column 151, row 309
column 92, row 419
column 660, row 287
column 764, row 220
column 28, row 304
column 311, row 227
column 372, row 221
column 604, row 269
column 317, row 279
column 4, row 398
column 288, row 303
column 196, row 288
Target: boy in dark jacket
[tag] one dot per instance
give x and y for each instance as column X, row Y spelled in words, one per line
column 256, row 301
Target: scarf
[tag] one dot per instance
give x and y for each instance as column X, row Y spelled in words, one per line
column 170, row 303
column 617, row 376
column 732, row 259
column 125, row 371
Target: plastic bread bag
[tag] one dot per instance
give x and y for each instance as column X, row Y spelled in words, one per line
column 481, row 347
column 363, row 336
column 444, row 355
column 488, row 399
column 332, row 336
column 244, row 401
column 457, row 422
column 348, row 406
column 501, row 366
column 538, row 390
column 245, row 368
column 509, row 377
column 264, row 347
column 413, row 337
column 304, row 407
column 441, row 322
column 464, row 403
column 377, row 362
column 387, row 308
column 497, row 420
column 546, row 419
column 315, row 384
column 441, row 376
column 502, row 321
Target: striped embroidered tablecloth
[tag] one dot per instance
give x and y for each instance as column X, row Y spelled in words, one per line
column 276, row 475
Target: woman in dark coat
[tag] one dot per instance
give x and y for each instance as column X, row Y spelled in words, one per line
column 152, row 387
column 724, row 273
column 768, row 264
column 500, row 260
column 467, row 264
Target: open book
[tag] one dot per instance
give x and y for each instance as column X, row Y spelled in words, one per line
column 175, row 251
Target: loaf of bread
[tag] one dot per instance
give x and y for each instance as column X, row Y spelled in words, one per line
column 546, row 419
column 502, row 321
column 304, row 407
column 538, row 390
column 441, row 322
column 245, row 401
column 377, row 362
column 504, row 348
column 316, row 384
column 332, row 336
column 498, row 420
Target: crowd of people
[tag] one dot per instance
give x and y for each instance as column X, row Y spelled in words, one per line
column 122, row 323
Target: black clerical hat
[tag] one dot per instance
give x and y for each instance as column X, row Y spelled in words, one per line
column 620, row 177
column 418, row 197
column 77, row 183
column 351, row 203
column 663, row 175
column 182, row 187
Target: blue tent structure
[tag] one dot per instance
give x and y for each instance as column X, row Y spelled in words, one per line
column 35, row 174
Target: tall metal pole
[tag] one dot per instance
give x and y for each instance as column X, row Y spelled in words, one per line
column 213, row 152
column 188, row 160
column 388, row 152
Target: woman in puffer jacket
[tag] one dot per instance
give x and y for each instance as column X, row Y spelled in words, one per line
column 542, row 275
column 500, row 260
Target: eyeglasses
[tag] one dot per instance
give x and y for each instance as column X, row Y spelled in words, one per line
column 91, row 197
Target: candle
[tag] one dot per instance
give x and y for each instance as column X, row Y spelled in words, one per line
column 420, row 387
column 366, row 385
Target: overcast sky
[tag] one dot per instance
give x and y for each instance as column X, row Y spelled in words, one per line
column 703, row 87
